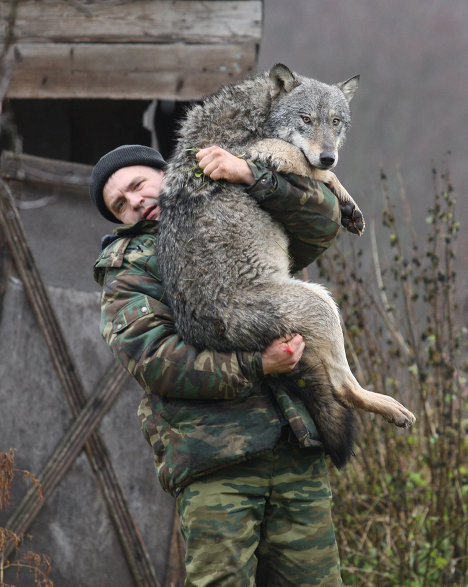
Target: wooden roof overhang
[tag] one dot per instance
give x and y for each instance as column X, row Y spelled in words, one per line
column 153, row 49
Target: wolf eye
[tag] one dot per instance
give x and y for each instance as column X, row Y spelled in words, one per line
column 336, row 121
column 306, row 119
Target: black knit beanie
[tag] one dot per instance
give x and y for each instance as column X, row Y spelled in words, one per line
column 124, row 156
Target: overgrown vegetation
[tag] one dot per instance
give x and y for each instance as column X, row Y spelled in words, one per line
column 38, row 565
column 401, row 505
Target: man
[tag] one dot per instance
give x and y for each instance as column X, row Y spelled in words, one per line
column 231, row 442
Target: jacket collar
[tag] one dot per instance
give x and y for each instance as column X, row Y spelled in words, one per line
column 129, row 230
column 149, row 226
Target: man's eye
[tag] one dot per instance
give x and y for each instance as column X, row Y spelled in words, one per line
column 306, row 119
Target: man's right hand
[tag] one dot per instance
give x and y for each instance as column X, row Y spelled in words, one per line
column 218, row 163
column 283, row 354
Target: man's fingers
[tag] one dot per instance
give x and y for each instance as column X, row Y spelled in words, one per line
column 211, row 163
column 294, row 341
column 209, row 167
column 283, row 354
column 205, row 156
column 294, row 347
column 217, row 163
column 201, row 153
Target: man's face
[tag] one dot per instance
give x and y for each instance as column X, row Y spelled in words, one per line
column 132, row 193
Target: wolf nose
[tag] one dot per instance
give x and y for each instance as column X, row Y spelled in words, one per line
column 327, row 159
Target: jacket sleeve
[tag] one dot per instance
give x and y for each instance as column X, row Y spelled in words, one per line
column 138, row 326
column 307, row 209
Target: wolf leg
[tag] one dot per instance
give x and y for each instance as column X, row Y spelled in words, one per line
column 351, row 394
column 286, row 158
column 313, row 313
column 332, row 357
column 281, row 156
column 352, row 218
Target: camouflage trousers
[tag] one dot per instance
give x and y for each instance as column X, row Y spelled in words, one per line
column 264, row 522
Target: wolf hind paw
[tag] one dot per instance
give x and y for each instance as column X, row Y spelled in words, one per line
column 404, row 419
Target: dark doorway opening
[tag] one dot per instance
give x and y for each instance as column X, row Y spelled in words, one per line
column 81, row 131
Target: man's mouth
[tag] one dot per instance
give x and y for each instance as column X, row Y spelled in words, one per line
column 151, row 213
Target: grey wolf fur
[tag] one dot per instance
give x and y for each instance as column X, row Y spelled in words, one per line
column 224, row 260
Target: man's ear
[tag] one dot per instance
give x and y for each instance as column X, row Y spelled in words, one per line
column 349, row 87
column 283, row 79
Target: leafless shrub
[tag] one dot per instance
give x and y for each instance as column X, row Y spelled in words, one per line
column 38, row 565
column 401, row 505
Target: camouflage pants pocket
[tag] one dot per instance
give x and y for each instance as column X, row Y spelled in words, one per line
column 264, row 522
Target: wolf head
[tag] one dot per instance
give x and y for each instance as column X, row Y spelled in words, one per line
column 309, row 114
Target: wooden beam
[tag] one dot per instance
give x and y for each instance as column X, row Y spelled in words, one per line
column 173, row 71
column 66, row 452
column 63, row 175
column 152, row 21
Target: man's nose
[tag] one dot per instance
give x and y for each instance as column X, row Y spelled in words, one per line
column 136, row 200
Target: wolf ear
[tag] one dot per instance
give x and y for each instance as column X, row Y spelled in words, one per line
column 349, row 87
column 283, row 79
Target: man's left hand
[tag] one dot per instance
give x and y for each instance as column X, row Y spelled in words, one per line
column 283, row 354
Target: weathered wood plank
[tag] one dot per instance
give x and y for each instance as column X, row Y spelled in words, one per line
column 152, row 21
column 173, row 72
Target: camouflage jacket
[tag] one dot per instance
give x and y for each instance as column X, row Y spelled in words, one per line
column 205, row 410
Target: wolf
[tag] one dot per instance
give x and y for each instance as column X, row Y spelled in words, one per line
column 224, row 260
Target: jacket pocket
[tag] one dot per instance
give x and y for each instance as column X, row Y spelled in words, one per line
column 138, row 308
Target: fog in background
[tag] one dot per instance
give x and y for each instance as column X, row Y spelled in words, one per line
column 411, row 107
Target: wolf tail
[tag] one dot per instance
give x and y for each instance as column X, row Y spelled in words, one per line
column 336, row 424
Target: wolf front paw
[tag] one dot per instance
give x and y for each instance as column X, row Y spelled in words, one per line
column 352, row 218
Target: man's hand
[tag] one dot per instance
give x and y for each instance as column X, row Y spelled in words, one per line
column 217, row 163
column 283, row 354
